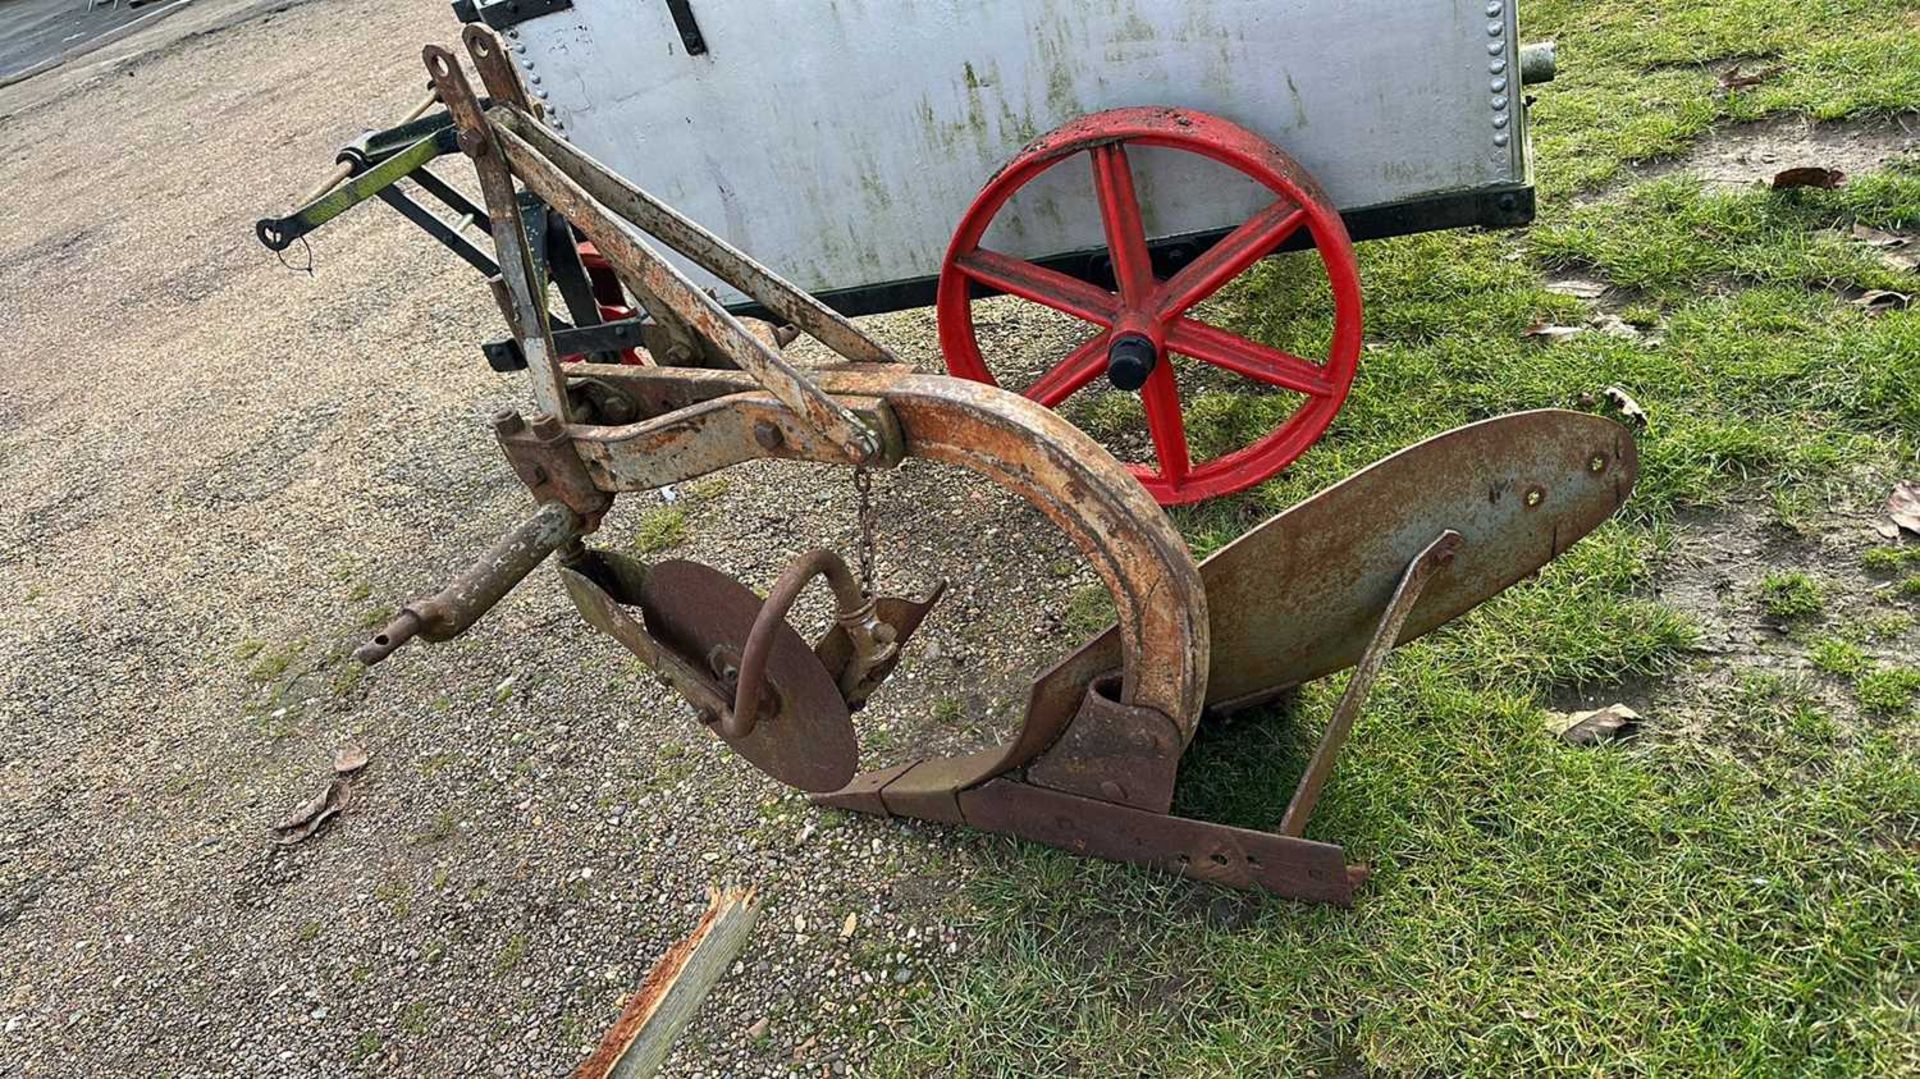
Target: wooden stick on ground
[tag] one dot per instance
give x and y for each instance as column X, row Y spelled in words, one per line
column 666, row 1002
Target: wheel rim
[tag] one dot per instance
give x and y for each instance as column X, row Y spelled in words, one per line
column 1157, row 308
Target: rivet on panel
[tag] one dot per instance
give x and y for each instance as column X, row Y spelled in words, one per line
column 1500, row 139
column 1498, row 121
column 1495, row 48
column 1498, row 85
column 1498, row 65
column 1499, row 102
column 1495, row 29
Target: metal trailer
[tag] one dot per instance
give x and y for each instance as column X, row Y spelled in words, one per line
column 846, row 146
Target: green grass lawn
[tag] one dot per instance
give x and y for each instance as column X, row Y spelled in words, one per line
column 1744, row 901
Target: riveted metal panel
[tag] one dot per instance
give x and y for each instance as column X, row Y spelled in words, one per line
column 839, row 142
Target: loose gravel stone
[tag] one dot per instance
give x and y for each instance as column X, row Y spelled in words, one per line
column 217, row 473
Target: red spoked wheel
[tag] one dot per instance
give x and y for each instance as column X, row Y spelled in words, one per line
column 1144, row 321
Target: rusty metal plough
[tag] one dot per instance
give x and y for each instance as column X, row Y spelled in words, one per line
column 1335, row 582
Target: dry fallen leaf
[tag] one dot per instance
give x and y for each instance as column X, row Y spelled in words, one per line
column 306, row 810
column 1578, row 288
column 847, row 927
column 1808, row 176
column 1550, row 332
column 1900, row 261
column 1903, row 506
column 303, row 822
column 1587, row 728
column 1879, row 301
column 1876, row 238
column 1732, row 78
column 1630, row 409
column 348, row 758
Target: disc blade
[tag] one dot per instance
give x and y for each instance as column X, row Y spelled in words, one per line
column 808, row 742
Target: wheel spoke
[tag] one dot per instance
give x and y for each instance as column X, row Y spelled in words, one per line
column 1046, row 287
column 1250, row 358
column 1225, row 260
column 1161, row 399
column 1120, row 214
column 1081, row 366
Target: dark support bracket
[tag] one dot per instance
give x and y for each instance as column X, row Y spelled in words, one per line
column 690, row 35
column 501, row 14
column 598, row 338
column 569, row 274
column 452, row 199
column 439, row 230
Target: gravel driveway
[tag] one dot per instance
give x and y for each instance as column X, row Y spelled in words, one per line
column 216, row 472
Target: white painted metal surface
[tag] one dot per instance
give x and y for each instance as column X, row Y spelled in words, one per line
column 839, row 141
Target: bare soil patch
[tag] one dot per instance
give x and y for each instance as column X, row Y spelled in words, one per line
column 1740, row 155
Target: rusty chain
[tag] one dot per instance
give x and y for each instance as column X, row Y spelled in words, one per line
column 863, row 487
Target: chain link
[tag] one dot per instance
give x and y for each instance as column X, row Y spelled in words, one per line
column 863, row 486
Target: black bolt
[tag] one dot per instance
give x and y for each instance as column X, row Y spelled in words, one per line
column 548, row 427
column 1130, row 359
column 768, row 436
column 507, row 422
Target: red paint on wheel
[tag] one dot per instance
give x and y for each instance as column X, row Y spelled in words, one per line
column 1157, row 308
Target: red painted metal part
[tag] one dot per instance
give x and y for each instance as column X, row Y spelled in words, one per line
column 1156, row 308
column 607, row 295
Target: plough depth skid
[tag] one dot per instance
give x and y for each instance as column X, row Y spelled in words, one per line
column 1335, row 582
